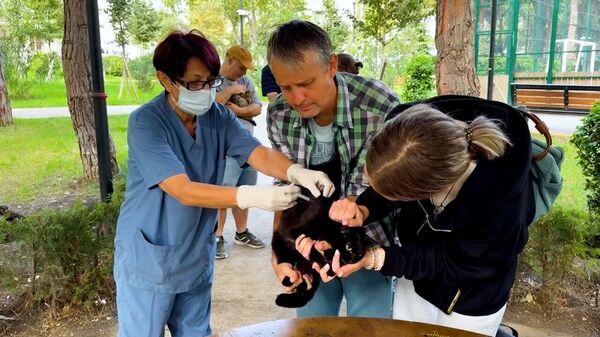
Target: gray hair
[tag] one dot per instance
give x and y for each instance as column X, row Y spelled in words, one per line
column 291, row 40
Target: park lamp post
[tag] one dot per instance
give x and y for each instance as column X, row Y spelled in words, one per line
column 99, row 101
column 242, row 13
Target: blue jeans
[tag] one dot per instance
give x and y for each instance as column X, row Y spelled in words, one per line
column 368, row 294
column 236, row 176
column 144, row 313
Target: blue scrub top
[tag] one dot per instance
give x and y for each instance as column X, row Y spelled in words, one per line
column 161, row 244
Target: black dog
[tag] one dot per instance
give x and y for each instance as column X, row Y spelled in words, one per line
column 312, row 219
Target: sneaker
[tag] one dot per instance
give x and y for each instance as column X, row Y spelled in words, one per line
column 221, row 253
column 248, row 239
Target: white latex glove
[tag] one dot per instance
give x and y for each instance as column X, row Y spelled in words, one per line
column 270, row 198
column 315, row 181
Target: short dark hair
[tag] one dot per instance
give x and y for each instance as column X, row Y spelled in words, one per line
column 348, row 63
column 291, row 40
column 172, row 55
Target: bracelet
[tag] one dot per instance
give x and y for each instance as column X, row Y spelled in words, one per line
column 381, row 258
column 369, row 267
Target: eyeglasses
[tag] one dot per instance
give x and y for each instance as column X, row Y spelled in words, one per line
column 199, row 85
column 358, row 65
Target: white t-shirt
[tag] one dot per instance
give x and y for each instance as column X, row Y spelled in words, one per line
column 324, row 147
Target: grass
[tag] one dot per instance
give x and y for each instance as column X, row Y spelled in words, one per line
column 41, row 157
column 573, row 194
column 53, row 94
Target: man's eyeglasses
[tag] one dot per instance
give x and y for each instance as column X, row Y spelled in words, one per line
column 199, row 85
column 358, row 65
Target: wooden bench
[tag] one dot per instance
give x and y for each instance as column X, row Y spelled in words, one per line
column 555, row 98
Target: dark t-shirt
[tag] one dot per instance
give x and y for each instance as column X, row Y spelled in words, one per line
column 267, row 81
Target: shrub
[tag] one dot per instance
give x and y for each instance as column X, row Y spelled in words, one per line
column 113, row 65
column 39, row 66
column 554, row 241
column 69, row 253
column 587, row 141
column 142, row 70
column 419, row 78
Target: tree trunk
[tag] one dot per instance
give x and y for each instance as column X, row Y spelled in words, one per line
column 454, row 36
column 78, row 80
column 5, row 110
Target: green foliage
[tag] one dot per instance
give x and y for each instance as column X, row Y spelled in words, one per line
column 382, row 21
column 383, row 17
column 70, row 253
column 145, row 23
column 554, row 241
column 120, row 12
column 420, row 81
column 40, row 64
column 113, row 65
column 334, row 26
column 142, row 70
column 587, row 141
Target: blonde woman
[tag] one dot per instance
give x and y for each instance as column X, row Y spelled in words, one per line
column 459, row 187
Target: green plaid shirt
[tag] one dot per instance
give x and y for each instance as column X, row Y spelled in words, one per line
column 362, row 105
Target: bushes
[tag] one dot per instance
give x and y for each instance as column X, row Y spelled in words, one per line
column 554, row 242
column 69, row 253
column 587, row 141
column 419, row 78
column 43, row 66
column 142, row 70
column 113, row 65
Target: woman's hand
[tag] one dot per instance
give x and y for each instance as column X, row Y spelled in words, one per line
column 283, row 270
column 304, row 245
column 348, row 269
column 348, row 213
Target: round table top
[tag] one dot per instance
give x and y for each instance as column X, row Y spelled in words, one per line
column 344, row 327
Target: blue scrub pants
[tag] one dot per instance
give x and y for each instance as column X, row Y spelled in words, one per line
column 368, row 294
column 144, row 313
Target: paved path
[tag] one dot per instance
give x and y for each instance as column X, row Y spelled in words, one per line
column 64, row 111
column 558, row 124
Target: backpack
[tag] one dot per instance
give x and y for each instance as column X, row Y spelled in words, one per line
column 544, row 170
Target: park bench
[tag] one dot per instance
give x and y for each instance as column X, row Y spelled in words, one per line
column 555, row 98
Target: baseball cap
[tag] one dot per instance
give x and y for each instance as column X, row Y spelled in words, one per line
column 241, row 54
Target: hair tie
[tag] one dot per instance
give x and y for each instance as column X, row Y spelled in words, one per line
column 468, row 134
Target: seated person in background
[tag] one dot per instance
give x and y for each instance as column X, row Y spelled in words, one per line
column 348, row 64
column 232, row 92
column 269, row 86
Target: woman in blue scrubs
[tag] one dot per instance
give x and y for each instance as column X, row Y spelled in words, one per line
column 165, row 244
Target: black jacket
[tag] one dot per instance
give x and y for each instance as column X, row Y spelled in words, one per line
column 487, row 221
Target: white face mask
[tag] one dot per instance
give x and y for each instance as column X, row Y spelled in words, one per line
column 195, row 102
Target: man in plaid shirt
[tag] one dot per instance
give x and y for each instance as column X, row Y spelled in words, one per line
column 324, row 118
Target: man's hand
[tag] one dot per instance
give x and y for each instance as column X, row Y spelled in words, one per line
column 270, row 198
column 348, row 213
column 314, row 181
column 237, row 89
column 234, row 107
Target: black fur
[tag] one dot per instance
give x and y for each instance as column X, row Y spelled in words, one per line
column 312, row 219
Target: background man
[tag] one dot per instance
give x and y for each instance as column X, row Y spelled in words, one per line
column 237, row 61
